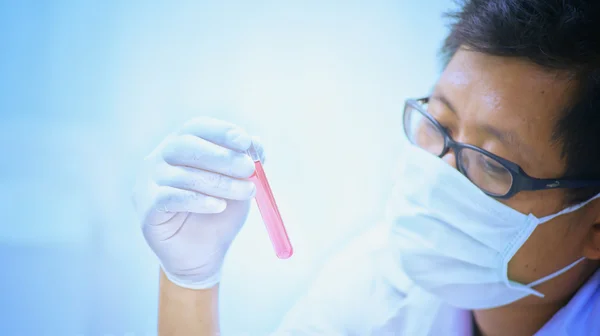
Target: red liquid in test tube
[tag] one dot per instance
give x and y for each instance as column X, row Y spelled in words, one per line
column 269, row 211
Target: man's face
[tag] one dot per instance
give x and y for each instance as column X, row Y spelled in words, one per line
column 510, row 107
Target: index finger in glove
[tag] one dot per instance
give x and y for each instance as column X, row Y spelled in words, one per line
column 190, row 151
column 219, row 132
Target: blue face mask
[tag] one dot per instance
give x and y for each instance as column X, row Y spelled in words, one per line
column 455, row 241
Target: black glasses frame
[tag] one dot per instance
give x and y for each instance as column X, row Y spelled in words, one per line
column 520, row 180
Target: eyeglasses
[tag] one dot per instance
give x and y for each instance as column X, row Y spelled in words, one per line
column 495, row 176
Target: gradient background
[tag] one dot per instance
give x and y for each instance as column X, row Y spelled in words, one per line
column 88, row 88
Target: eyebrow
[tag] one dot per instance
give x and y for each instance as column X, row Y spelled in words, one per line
column 442, row 99
column 508, row 138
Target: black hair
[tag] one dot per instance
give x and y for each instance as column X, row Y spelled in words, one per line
column 561, row 35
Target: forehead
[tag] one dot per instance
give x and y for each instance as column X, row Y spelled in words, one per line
column 513, row 95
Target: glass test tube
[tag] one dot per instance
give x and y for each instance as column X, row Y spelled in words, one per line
column 268, row 209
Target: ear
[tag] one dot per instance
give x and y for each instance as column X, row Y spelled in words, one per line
column 591, row 250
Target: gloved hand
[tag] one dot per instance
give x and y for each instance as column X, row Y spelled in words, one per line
column 193, row 197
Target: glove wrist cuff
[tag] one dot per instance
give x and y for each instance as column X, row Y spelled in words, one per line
column 190, row 284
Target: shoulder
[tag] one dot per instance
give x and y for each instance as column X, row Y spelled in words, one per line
column 579, row 316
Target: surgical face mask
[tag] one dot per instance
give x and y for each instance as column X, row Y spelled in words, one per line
column 455, row 241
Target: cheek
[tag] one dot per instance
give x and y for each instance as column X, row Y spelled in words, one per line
column 538, row 203
column 551, row 247
column 534, row 259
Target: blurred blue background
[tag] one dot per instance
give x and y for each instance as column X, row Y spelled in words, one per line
column 88, row 88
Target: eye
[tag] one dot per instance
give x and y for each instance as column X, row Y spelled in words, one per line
column 491, row 166
column 430, row 128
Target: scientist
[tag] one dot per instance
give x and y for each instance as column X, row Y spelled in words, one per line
column 493, row 227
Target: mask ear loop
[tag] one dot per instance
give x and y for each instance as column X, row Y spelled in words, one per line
column 529, row 288
column 555, row 274
column 565, row 269
column 573, row 264
column 568, row 210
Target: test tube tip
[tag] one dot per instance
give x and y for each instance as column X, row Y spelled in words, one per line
column 285, row 254
column 253, row 153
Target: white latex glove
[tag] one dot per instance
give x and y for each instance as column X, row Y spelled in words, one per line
column 193, row 197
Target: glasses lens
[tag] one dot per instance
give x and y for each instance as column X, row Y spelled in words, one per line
column 485, row 172
column 422, row 132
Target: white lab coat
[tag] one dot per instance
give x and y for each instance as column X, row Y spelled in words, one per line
column 357, row 293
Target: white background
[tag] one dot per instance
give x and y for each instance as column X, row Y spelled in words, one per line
column 89, row 88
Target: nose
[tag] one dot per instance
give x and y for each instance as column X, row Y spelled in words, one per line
column 450, row 158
